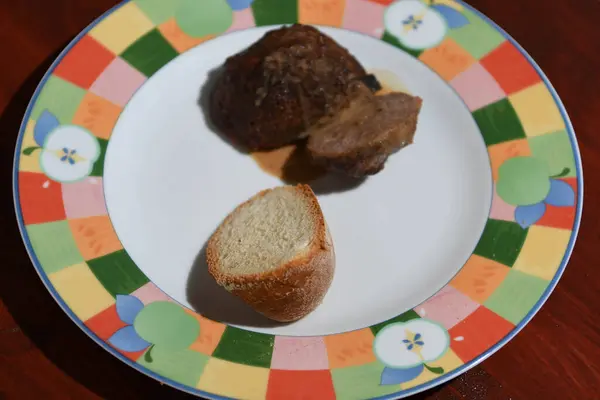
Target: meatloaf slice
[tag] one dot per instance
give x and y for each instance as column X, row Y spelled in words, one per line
column 359, row 138
column 270, row 93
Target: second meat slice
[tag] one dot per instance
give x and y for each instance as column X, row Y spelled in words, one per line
column 358, row 139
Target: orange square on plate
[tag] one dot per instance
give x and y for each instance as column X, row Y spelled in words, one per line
column 448, row 59
column 210, row 334
column 501, row 152
column 321, row 12
column 97, row 115
column 479, row 278
column 350, row 348
column 180, row 40
column 95, row 236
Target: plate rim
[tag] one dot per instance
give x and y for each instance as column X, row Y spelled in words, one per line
column 402, row 393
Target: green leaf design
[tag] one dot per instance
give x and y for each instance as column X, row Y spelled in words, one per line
column 523, row 181
column 206, row 17
column 27, row 151
column 147, row 355
column 158, row 11
column 562, row 173
column 391, row 39
column 167, row 325
column 435, row 370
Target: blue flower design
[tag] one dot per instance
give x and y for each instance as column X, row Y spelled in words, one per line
column 415, row 342
column 407, row 349
column 412, row 23
column 160, row 323
column 561, row 194
column 422, row 24
column 68, row 155
column 126, row 338
column 67, row 152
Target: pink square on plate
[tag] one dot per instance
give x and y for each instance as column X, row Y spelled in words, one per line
column 501, row 209
column 241, row 20
column 364, row 16
column 118, row 82
column 448, row 307
column 477, row 87
column 150, row 293
column 299, row 353
column 84, row 199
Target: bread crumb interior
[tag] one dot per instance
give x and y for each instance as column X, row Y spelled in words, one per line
column 265, row 233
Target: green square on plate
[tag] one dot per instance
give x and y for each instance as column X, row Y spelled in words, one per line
column 499, row 122
column 391, row 39
column 477, row 37
column 60, row 97
column 158, row 11
column 273, row 12
column 501, row 241
column 98, row 169
column 184, row 366
column 118, row 273
column 407, row 316
column 516, row 296
column 361, row 382
column 556, row 150
column 54, row 245
column 149, row 53
column 245, row 347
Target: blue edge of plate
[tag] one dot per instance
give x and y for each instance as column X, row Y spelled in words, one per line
column 403, row 393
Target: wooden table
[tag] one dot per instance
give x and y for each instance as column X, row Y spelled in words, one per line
column 557, row 356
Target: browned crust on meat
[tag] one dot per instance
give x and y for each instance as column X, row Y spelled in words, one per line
column 295, row 288
column 268, row 94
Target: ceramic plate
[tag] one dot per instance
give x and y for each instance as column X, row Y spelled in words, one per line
column 441, row 258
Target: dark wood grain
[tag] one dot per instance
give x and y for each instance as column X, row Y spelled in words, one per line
column 44, row 355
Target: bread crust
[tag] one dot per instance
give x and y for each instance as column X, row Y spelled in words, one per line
column 292, row 290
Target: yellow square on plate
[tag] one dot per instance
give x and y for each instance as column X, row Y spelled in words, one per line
column 448, row 362
column 229, row 379
column 81, row 290
column 121, row 28
column 537, row 110
column 31, row 162
column 542, row 252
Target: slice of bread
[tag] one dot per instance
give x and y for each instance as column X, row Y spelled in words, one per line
column 275, row 252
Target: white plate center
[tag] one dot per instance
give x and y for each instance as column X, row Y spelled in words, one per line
column 399, row 237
